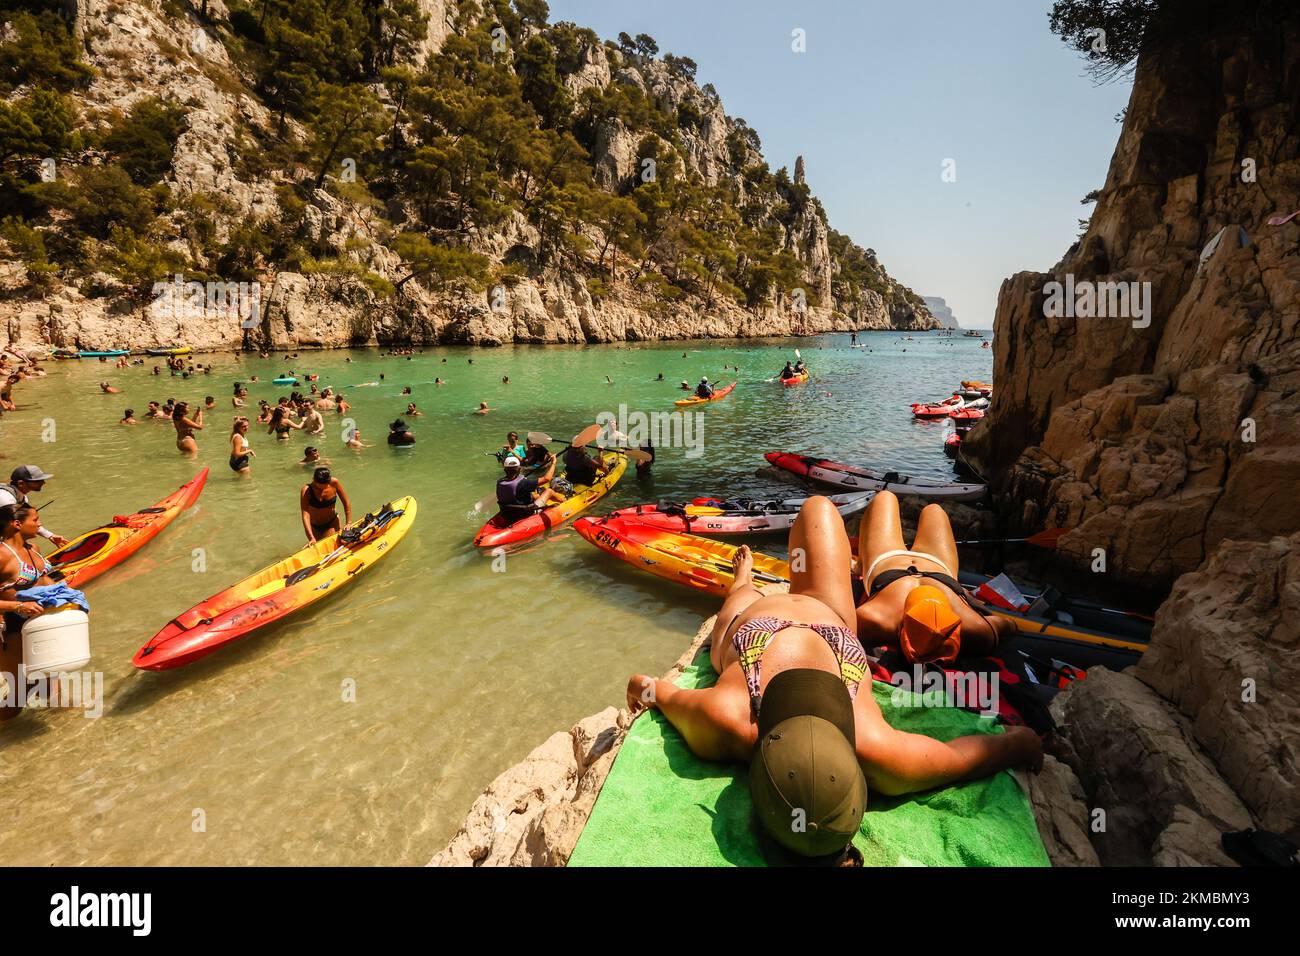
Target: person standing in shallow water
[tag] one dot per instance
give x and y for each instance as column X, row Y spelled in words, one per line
column 399, row 436
column 319, row 502
column 186, row 427
column 240, row 453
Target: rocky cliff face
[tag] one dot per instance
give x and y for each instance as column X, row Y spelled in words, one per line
column 1157, row 441
column 1166, row 433
column 144, row 49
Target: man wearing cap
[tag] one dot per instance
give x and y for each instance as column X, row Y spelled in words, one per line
column 25, row 479
column 517, row 495
column 815, row 739
column 704, row 389
column 914, row 601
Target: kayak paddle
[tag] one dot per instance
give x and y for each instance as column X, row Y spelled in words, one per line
column 586, row 437
column 1044, row 539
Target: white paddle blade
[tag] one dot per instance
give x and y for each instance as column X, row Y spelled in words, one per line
column 540, row 438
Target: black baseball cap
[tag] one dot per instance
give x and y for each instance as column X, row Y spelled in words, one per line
column 808, row 789
column 29, row 473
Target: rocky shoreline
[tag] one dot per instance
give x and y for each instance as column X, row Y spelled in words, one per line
column 301, row 312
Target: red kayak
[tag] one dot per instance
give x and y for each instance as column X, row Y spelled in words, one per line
column 89, row 555
column 500, row 530
column 936, row 409
column 952, row 445
column 966, row 414
column 798, row 379
column 863, row 479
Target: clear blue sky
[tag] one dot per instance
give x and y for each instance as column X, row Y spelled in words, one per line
column 884, row 94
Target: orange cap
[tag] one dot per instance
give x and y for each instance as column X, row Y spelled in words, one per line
column 931, row 630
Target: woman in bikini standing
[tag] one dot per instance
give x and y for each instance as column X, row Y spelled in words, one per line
column 21, row 567
column 240, row 453
column 186, row 427
column 913, row 599
column 319, row 502
column 790, row 669
column 281, row 424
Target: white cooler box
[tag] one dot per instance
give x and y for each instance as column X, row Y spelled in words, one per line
column 56, row 642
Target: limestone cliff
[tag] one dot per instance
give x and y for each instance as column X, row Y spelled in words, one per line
column 189, row 55
column 1167, row 435
column 1157, row 441
column 940, row 309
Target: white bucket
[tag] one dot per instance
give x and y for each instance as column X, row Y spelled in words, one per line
column 56, row 642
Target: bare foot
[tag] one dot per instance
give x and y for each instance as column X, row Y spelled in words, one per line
column 640, row 693
column 742, row 564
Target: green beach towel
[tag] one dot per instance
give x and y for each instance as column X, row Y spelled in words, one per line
column 662, row 806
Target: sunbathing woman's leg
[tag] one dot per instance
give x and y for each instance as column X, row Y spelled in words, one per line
column 741, row 595
column 881, row 530
column 934, row 536
column 820, row 558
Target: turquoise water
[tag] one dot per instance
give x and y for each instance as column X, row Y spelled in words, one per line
column 459, row 669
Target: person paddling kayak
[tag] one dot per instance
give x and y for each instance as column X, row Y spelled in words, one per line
column 704, row 389
column 913, row 599
column 519, row 496
column 580, row 468
column 788, row 371
column 319, row 502
column 779, row 711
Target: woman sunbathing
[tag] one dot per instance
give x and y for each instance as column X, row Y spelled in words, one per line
column 913, row 599
column 788, row 700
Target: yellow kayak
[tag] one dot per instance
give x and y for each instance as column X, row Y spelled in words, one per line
column 717, row 395
column 278, row 590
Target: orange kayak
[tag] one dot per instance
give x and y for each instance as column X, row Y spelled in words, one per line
column 88, row 556
column 700, row 563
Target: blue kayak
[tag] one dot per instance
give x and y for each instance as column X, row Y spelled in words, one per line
column 113, row 354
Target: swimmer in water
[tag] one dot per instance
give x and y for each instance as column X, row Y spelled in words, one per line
column 482, row 409
column 128, row 418
column 413, row 411
column 109, row 389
